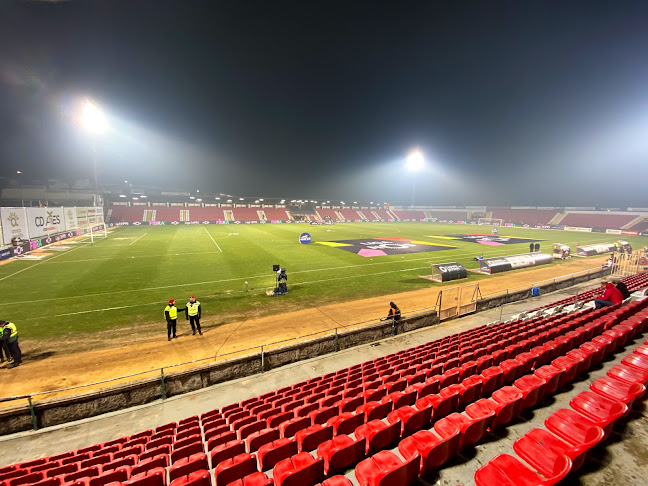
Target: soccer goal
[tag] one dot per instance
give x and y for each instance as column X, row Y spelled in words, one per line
column 90, row 233
column 490, row 221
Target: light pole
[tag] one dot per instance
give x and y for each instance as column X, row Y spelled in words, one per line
column 22, row 189
column 415, row 161
column 94, row 121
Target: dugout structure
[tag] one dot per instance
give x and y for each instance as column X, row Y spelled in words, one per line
column 597, row 249
column 457, row 301
column 513, row 262
column 446, row 272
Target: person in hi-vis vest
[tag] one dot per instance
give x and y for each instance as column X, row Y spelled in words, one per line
column 171, row 316
column 193, row 312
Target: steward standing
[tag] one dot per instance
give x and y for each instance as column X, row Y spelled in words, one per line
column 194, row 312
column 171, row 316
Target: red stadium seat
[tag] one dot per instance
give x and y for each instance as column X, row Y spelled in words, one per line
column 473, row 427
column 291, row 427
column 346, row 423
column 378, row 434
column 509, row 405
column 226, row 451
column 386, row 469
column 196, row 478
column 375, row 410
column 600, row 410
column 273, row 452
column 505, row 470
column 539, row 448
column 151, row 477
column 188, row 465
column 618, row 390
column 254, row 479
column 119, row 475
column 257, row 439
column 532, row 388
column 308, row 439
column 234, row 469
column 434, row 451
column 340, row 453
column 299, row 470
column 336, row 481
column 411, row 418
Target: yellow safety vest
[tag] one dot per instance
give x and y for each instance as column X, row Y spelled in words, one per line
column 192, row 309
column 14, row 332
column 173, row 311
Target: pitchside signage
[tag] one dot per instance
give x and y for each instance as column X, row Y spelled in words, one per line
column 305, row 238
column 44, row 221
column 14, row 224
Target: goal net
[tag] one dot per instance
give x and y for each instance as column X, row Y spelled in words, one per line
column 490, row 221
column 90, row 233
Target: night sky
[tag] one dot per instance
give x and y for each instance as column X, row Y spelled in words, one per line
column 512, row 102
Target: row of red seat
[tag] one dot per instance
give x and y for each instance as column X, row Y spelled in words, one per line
column 633, row 282
column 195, row 459
column 571, row 433
column 442, row 367
column 457, row 430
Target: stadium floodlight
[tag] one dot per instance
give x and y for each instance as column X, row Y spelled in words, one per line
column 355, row 202
column 199, row 200
column 260, row 199
column 229, row 200
column 240, row 199
column 142, row 195
column 122, row 195
column 125, row 182
column 415, row 161
column 218, row 198
column 136, row 199
column 93, row 118
column 197, row 190
column 191, row 197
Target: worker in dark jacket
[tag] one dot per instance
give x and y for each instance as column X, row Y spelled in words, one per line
column 4, row 349
column 623, row 288
column 171, row 316
column 193, row 313
column 10, row 334
column 394, row 312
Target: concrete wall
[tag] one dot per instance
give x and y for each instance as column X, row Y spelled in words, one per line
column 61, row 410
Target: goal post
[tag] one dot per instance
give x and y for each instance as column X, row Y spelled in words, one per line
column 490, row 221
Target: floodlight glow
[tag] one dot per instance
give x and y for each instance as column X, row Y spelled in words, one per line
column 240, row 198
column 415, row 161
column 217, row 198
column 143, row 196
column 122, row 195
column 18, row 172
column 191, row 197
column 93, row 118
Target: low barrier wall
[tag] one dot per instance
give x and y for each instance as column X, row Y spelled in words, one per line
column 57, row 411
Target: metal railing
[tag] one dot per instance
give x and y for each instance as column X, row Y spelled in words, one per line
column 261, row 350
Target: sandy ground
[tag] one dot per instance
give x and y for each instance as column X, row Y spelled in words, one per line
column 43, row 372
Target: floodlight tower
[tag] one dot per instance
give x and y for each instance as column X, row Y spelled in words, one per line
column 94, row 121
column 415, row 161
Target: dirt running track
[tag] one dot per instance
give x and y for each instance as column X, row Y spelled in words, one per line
column 124, row 357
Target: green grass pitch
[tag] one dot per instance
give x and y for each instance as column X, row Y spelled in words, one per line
column 125, row 280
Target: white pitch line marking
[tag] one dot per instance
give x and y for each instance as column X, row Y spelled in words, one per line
column 137, row 239
column 42, row 261
column 209, row 282
column 212, row 238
